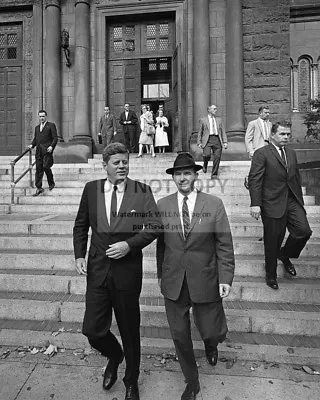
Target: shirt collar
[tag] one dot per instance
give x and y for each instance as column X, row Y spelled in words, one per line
column 120, row 186
column 191, row 196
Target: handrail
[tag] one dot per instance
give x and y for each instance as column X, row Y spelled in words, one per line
column 29, row 169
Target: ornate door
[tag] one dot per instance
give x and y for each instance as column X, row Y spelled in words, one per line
column 10, row 89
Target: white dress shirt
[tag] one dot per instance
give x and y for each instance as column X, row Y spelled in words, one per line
column 192, row 197
column 42, row 126
column 126, row 114
column 284, row 151
column 108, row 189
column 212, row 125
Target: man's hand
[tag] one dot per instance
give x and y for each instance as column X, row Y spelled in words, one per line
column 255, row 212
column 49, row 149
column 118, row 250
column 225, row 145
column 251, row 154
column 114, row 133
column 30, row 146
column 81, row 266
column 200, row 145
column 224, row 289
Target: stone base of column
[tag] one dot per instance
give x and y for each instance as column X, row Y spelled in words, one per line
column 77, row 150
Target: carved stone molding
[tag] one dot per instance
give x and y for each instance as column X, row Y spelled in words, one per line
column 76, row 2
column 53, row 3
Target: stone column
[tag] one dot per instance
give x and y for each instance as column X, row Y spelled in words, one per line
column 201, row 60
column 52, row 58
column 234, row 71
column 295, row 84
column 315, row 81
column 82, row 71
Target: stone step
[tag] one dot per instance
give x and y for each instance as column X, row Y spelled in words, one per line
column 63, row 262
column 242, row 246
column 233, row 200
column 298, row 290
column 250, row 266
column 242, row 317
column 73, row 209
column 266, row 348
column 52, row 225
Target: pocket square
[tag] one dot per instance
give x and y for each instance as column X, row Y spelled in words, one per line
column 133, row 211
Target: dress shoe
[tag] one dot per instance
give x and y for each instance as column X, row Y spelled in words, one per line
column 273, row 284
column 38, row 191
column 52, row 186
column 132, row 393
column 288, row 266
column 190, row 392
column 214, row 176
column 204, row 169
column 212, row 355
column 111, row 373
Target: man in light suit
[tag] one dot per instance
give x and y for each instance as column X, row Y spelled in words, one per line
column 211, row 137
column 276, row 196
column 122, row 216
column 107, row 127
column 258, row 133
column 45, row 140
column 129, row 121
column 195, row 266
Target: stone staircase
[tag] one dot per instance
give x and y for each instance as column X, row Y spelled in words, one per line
column 41, row 293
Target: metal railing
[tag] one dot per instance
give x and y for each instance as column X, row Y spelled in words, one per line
column 29, row 169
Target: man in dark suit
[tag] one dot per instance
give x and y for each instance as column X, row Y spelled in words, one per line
column 128, row 119
column 195, row 265
column 122, row 216
column 45, row 140
column 276, row 195
column 211, row 137
column 107, row 127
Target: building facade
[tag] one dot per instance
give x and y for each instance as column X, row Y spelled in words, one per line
column 73, row 57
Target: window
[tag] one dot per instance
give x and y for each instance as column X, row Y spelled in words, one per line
column 9, row 42
column 157, row 37
column 123, row 39
column 156, row 90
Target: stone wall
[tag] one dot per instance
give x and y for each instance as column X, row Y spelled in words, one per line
column 266, row 35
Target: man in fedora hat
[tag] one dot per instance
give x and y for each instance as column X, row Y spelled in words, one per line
column 195, row 266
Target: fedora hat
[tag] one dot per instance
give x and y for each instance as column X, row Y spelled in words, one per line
column 183, row 160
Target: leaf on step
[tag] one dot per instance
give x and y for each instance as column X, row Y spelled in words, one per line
column 290, row 350
column 310, row 371
column 34, row 351
column 51, row 350
column 61, row 330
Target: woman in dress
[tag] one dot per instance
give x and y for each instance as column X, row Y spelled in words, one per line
column 147, row 131
column 161, row 139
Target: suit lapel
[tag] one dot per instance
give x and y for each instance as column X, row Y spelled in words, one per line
column 274, row 151
column 198, row 207
column 176, row 220
column 102, row 220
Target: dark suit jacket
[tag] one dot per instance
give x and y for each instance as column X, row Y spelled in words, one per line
column 270, row 182
column 206, row 257
column 137, row 223
column 42, row 140
column 131, row 117
column 204, row 131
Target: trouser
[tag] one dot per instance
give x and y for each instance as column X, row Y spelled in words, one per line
column 107, row 139
column 210, row 320
column 131, row 139
column 274, row 229
column 40, row 170
column 213, row 145
column 100, row 301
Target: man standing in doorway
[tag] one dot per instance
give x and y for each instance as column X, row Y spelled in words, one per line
column 45, row 140
column 258, row 133
column 276, row 196
column 128, row 119
column 107, row 127
column 211, row 137
column 122, row 215
column 195, row 266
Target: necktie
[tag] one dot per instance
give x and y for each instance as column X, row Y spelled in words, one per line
column 283, row 156
column 113, row 209
column 41, row 127
column 185, row 217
